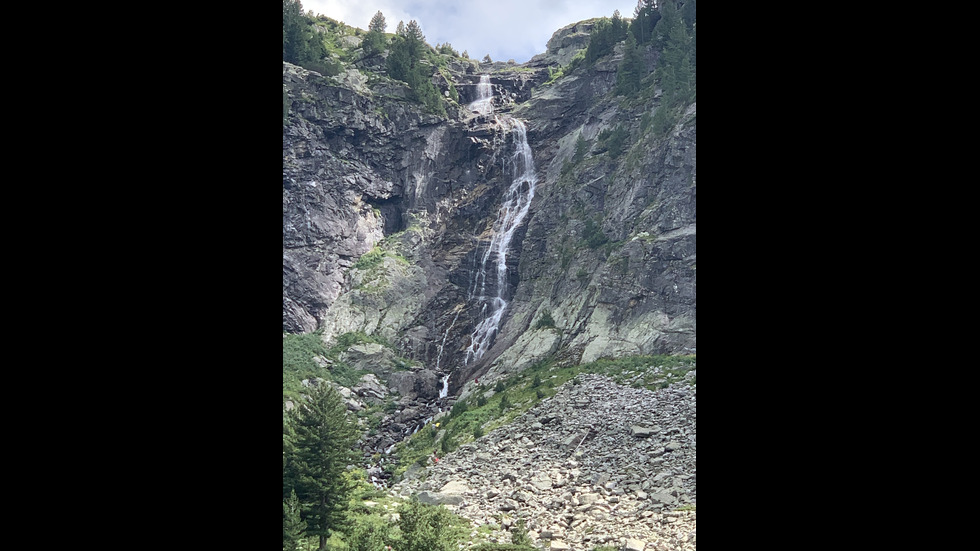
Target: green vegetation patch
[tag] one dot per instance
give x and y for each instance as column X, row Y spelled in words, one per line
column 545, row 321
column 298, row 351
column 374, row 279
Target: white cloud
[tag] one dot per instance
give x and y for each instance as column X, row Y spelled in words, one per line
column 504, row 29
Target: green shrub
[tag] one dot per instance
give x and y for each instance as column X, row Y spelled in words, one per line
column 545, row 320
column 518, row 535
column 616, row 141
column 593, row 236
column 370, row 259
column 325, row 67
column 459, row 408
column 448, row 444
column 478, row 432
column 481, row 401
column 374, row 43
column 428, row 528
column 370, row 533
column 499, row 387
column 447, row 49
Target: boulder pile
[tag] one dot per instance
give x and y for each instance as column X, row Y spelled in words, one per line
column 597, row 464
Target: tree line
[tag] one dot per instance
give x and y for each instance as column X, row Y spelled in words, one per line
column 410, row 59
column 301, row 43
column 666, row 28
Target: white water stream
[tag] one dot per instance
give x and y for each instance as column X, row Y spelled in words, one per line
column 445, row 387
column 512, row 212
column 484, row 95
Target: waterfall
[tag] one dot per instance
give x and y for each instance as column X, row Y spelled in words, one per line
column 445, row 387
column 444, row 337
column 512, row 212
column 484, row 94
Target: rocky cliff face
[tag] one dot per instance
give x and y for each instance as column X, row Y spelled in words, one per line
column 387, row 211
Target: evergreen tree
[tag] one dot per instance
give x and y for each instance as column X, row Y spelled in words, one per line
column 674, row 68
column 619, row 27
column 631, row 69
column 377, row 23
column 292, row 30
column 300, row 43
column 324, row 440
column 581, row 148
column 413, row 30
column 374, row 41
column 405, row 63
column 400, row 62
column 292, row 526
column 669, row 18
column 400, row 29
column 600, row 41
column 645, row 18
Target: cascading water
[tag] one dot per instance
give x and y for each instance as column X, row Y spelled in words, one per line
column 445, row 387
column 443, row 345
column 512, row 212
column 484, row 95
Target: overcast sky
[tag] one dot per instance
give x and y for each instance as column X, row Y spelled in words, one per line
column 505, row 29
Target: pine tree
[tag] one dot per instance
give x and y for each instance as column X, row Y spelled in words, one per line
column 669, row 18
column 631, row 69
column 374, row 41
column 674, row 65
column 581, row 148
column 325, row 436
column 619, row 27
column 413, row 30
column 300, row 43
column 400, row 29
column 292, row 30
column 292, row 526
column 645, row 18
column 377, row 23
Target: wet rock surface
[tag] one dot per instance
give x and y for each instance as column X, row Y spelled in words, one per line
column 596, row 464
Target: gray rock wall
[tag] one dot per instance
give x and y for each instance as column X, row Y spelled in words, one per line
column 364, row 170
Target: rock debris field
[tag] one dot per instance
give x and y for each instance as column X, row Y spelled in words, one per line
column 598, row 464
